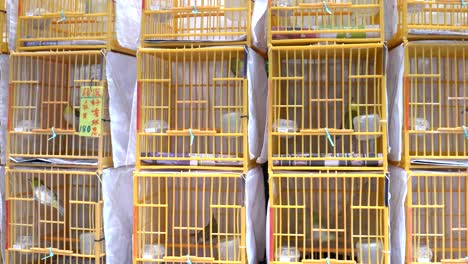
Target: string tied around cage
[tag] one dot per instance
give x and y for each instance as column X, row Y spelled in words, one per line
column 195, row 10
column 51, row 254
column 329, row 138
column 99, row 177
column 328, row 260
column 192, row 136
column 465, row 131
column 62, row 16
column 54, row 135
column 325, row 6
column 189, row 261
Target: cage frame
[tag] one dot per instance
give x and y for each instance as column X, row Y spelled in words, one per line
column 39, row 252
column 103, row 161
column 189, row 175
column 382, row 196
column 319, row 48
column 203, row 43
column 189, row 52
column 320, row 5
column 428, row 172
column 110, row 37
column 407, row 155
column 402, row 35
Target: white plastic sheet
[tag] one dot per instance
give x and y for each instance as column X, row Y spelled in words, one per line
column 259, row 25
column 398, row 191
column 121, row 78
column 12, row 21
column 258, row 89
column 2, row 212
column 395, row 73
column 4, row 77
column 117, row 193
column 255, row 207
column 128, row 23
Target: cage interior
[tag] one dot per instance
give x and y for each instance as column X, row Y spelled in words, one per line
column 198, row 215
column 193, row 106
column 319, row 216
column 327, row 104
column 437, row 214
column 45, row 99
column 436, row 100
column 58, row 210
column 196, row 20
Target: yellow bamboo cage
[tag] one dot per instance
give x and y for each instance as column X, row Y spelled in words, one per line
column 436, row 103
column 3, row 27
column 431, row 19
column 329, row 217
column 296, row 22
column 436, row 216
column 46, row 111
column 192, row 108
column 196, row 216
column 70, row 25
column 206, row 22
column 54, row 211
column 327, row 107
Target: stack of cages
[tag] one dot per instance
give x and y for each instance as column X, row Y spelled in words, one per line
column 192, row 116
column 327, row 132
column 67, row 25
column 436, row 150
column 58, row 143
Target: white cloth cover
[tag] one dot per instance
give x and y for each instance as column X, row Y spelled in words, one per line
column 395, row 73
column 117, row 193
column 255, row 208
column 121, row 78
column 128, row 23
column 398, row 191
column 4, row 78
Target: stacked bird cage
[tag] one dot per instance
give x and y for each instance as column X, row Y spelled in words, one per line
column 67, row 25
column 297, row 22
column 435, row 149
column 182, row 216
column 50, row 94
column 192, row 149
column 327, row 132
column 431, row 19
column 192, row 108
column 54, row 216
column 209, row 22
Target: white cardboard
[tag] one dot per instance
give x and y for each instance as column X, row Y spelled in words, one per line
column 4, row 78
column 398, row 191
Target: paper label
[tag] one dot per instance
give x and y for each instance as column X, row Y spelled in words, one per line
column 91, row 111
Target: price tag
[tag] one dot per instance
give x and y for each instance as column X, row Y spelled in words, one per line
column 91, row 111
